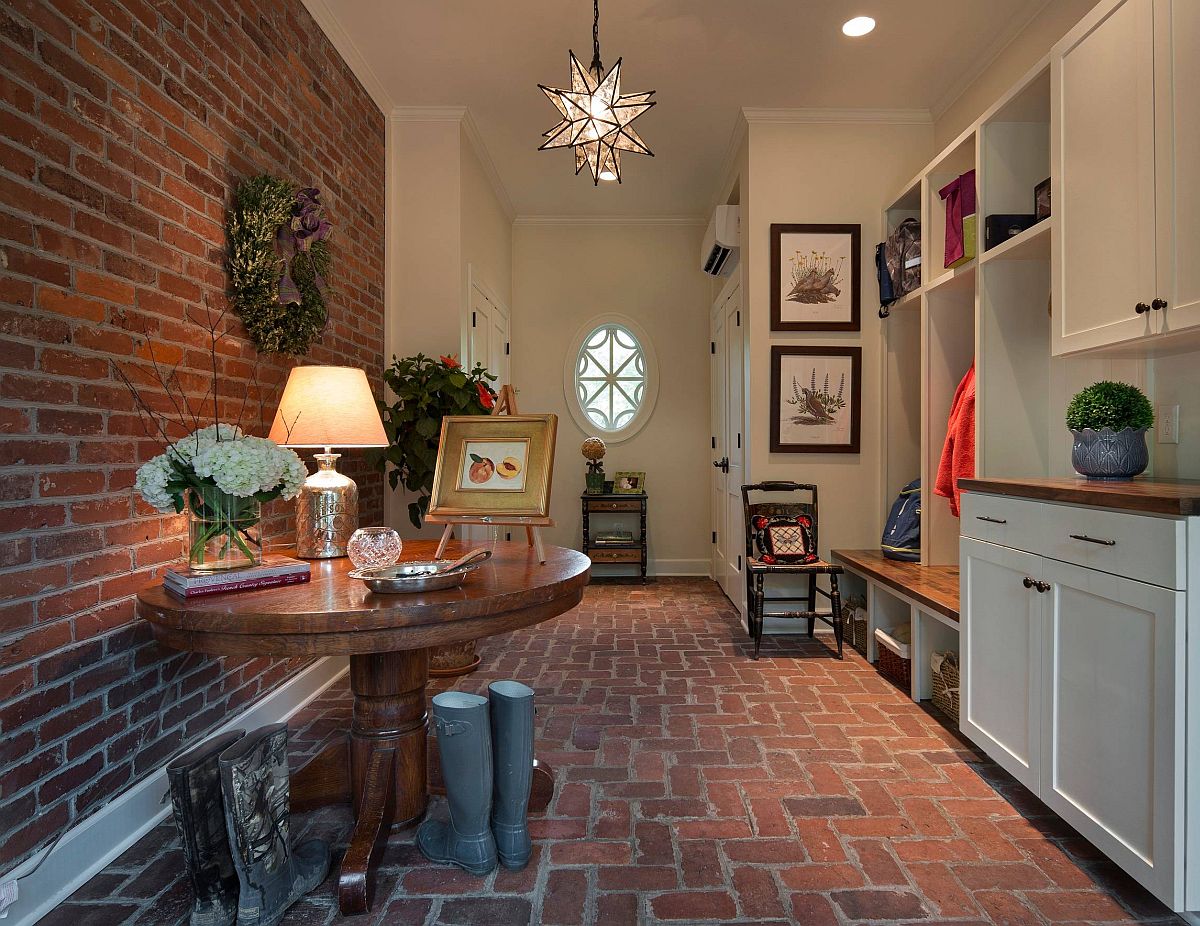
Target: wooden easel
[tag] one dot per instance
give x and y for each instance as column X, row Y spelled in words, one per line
column 506, row 404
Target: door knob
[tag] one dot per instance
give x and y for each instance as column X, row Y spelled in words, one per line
column 1027, row 582
column 1141, row 308
column 1042, row 587
column 1158, row 304
column 722, row 464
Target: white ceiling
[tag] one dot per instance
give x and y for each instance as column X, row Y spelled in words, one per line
column 705, row 58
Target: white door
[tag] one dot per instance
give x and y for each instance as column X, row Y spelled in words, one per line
column 1177, row 122
column 1113, row 734
column 728, row 454
column 1104, row 193
column 489, row 336
column 1002, row 640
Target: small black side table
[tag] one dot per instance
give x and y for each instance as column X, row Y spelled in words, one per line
column 620, row 554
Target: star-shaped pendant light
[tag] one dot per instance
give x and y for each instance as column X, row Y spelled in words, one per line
column 596, row 117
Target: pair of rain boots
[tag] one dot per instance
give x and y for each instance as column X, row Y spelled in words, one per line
column 230, row 797
column 486, row 747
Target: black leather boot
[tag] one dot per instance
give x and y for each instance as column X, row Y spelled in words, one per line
column 195, row 779
column 465, row 745
column 511, row 709
column 271, row 874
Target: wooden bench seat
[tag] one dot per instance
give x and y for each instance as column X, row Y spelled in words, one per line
column 931, row 587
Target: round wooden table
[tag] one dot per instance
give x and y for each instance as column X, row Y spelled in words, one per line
column 387, row 637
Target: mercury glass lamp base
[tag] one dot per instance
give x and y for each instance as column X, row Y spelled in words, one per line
column 326, row 511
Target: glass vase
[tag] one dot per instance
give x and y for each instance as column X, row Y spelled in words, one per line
column 371, row 547
column 223, row 531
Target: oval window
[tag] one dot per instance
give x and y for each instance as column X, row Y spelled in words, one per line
column 611, row 379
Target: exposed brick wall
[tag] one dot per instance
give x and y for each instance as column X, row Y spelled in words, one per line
column 124, row 126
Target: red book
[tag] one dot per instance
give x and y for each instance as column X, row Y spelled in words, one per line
column 238, row 585
column 181, row 577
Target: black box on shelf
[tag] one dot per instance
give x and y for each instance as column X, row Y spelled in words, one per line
column 999, row 228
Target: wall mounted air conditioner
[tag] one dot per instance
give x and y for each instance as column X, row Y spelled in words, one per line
column 721, row 238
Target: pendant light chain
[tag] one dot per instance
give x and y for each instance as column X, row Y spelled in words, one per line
column 597, row 67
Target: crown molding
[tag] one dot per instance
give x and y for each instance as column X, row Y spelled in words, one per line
column 591, row 221
column 327, row 22
column 461, row 115
column 471, row 130
column 761, row 115
column 427, row 113
column 1016, row 25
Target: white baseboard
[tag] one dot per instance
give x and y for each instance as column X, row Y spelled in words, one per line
column 87, row 848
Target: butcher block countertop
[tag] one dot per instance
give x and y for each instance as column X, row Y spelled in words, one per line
column 1179, row 497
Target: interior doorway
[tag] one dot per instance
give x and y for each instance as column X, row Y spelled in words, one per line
column 728, row 406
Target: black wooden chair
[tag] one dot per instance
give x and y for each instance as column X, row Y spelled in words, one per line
column 757, row 571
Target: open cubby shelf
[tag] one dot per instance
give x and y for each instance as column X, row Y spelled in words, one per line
column 990, row 311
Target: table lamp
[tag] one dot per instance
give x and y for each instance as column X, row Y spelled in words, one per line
column 327, row 407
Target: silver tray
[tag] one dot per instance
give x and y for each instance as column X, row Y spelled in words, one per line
column 415, row 576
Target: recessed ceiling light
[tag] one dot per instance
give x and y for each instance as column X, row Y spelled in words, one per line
column 859, row 25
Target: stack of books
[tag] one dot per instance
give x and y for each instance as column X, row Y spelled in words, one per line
column 274, row 570
column 612, row 537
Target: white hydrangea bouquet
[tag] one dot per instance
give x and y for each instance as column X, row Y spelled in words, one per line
column 218, row 474
column 221, row 476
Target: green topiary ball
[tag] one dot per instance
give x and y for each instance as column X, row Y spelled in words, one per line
column 1110, row 405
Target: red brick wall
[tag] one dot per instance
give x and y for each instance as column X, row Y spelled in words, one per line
column 124, row 126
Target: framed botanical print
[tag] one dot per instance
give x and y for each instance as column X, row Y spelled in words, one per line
column 816, row 399
column 815, row 274
column 494, row 465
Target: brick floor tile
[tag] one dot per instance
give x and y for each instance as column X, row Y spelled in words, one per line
column 565, row 899
column 881, row 904
column 698, row 786
column 813, row 910
column 694, row 906
column 757, row 893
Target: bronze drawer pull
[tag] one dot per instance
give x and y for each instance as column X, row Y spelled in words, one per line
column 1086, row 539
column 980, row 517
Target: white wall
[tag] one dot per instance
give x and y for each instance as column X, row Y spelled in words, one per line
column 563, row 277
column 1010, row 62
column 486, row 228
column 444, row 214
column 825, row 173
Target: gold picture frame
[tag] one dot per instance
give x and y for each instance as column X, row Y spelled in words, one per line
column 497, row 465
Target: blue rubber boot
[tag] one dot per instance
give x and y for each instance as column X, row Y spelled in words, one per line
column 512, row 743
column 465, row 745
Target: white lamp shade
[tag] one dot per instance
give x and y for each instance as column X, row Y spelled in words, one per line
column 328, row 407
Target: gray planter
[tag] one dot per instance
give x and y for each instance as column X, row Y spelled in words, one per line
column 1109, row 454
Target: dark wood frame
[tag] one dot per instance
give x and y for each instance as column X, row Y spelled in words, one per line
column 855, row 355
column 855, row 233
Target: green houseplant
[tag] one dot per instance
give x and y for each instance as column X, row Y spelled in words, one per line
column 426, row 390
column 1109, row 421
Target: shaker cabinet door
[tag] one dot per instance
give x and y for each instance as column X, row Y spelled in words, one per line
column 1103, row 154
column 1113, row 729
column 1177, row 121
column 1001, row 643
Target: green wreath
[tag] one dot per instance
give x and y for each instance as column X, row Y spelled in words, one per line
column 265, row 213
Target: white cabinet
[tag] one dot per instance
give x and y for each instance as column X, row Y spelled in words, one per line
column 1075, row 672
column 1125, row 147
column 1001, row 672
column 1113, row 719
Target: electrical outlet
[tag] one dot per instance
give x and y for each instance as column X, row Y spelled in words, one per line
column 1167, row 424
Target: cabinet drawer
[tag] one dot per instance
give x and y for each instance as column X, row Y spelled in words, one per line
column 615, row 556
column 1136, row 546
column 1010, row 522
column 609, row 505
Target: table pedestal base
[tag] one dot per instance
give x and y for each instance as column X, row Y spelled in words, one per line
column 386, row 770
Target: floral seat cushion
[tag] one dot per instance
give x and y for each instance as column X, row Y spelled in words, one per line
column 786, row 540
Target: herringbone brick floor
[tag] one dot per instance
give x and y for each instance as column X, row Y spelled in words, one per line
column 697, row 786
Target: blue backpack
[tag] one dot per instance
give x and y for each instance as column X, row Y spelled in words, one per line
column 902, row 533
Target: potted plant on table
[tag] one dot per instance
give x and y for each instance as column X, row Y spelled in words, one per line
column 1109, row 421
column 426, row 391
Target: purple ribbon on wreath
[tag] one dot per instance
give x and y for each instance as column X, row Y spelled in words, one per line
column 307, row 226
